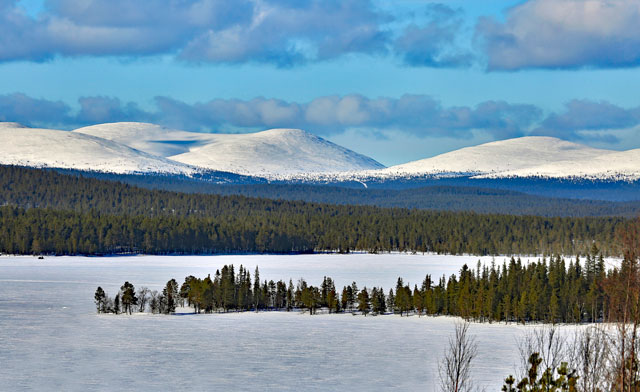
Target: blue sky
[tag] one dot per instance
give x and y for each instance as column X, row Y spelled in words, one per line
column 395, row 80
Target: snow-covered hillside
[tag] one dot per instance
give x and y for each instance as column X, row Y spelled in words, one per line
column 500, row 156
column 622, row 165
column 276, row 153
column 150, row 138
column 24, row 146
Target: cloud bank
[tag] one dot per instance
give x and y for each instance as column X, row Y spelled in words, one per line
column 548, row 34
column 282, row 32
column 416, row 115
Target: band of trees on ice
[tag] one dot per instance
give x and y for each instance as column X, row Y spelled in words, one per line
column 549, row 290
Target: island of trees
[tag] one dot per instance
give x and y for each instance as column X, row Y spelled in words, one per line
column 551, row 290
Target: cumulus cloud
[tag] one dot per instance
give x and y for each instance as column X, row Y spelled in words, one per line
column 582, row 117
column 433, row 44
column 415, row 115
column 419, row 115
column 563, row 34
column 101, row 109
column 30, row 111
column 281, row 32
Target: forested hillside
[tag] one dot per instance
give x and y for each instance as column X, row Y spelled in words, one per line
column 481, row 196
column 47, row 212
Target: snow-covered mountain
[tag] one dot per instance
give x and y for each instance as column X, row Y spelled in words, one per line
column 150, row 138
column 501, row 156
column 25, row 146
column 275, row 153
column 292, row 154
column 531, row 156
column 620, row 165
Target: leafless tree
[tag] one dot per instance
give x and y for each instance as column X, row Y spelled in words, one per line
column 550, row 345
column 154, row 302
column 591, row 356
column 622, row 288
column 143, row 298
column 454, row 368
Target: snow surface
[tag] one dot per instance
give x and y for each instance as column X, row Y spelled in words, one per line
column 512, row 154
column 51, row 338
column 150, row 138
column 623, row 165
column 24, row 146
column 275, row 153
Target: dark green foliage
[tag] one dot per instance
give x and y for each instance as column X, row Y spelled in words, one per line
column 59, row 214
column 547, row 290
column 116, row 304
column 364, row 305
column 100, row 298
column 539, row 380
column 170, row 296
column 128, row 297
column 528, row 196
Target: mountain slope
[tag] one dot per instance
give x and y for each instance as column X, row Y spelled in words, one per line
column 500, row 156
column 150, row 138
column 61, row 149
column 623, row 165
column 276, row 153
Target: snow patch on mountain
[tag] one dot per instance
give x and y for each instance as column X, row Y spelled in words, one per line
column 150, row 138
column 275, row 153
column 495, row 157
column 25, row 146
column 622, row 166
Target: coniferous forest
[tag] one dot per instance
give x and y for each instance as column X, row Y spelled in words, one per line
column 46, row 212
column 550, row 290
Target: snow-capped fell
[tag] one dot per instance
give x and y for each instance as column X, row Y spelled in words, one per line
column 501, row 156
column 275, row 153
column 150, row 138
column 62, row 149
column 621, row 165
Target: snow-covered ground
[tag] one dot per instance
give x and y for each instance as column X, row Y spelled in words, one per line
column 51, row 338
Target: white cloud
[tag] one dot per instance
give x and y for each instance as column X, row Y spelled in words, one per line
column 564, row 34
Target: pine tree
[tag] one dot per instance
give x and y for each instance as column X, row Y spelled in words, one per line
column 364, row 306
column 128, row 298
column 170, row 296
column 116, row 304
column 100, row 299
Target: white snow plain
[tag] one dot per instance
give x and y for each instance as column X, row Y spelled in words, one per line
column 52, row 339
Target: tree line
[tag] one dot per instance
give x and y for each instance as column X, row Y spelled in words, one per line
column 549, row 290
column 603, row 357
column 50, row 213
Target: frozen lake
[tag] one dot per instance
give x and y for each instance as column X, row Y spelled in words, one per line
column 52, row 339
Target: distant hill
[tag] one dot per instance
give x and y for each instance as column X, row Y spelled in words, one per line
column 274, row 153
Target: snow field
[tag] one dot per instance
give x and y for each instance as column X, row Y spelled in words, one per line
column 51, row 338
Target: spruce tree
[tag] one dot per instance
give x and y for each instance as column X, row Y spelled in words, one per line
column 100, row 298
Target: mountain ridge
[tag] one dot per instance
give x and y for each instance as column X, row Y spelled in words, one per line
column 284, row 154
